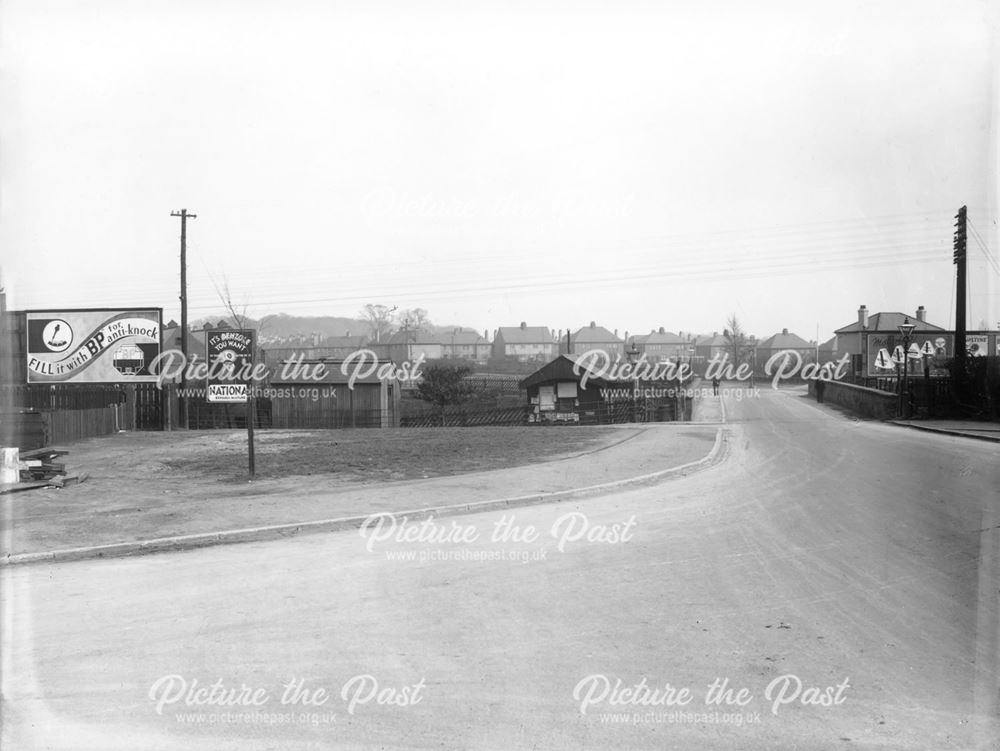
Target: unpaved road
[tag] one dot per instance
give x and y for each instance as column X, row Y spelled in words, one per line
column 857, row 558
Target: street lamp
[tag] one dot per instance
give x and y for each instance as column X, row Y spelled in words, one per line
column 633, row 357
column 906, row 329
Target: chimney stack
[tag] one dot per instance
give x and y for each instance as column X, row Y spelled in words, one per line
column 785, row 332
column 863, row 317
column 523, row 325
column 921, row 314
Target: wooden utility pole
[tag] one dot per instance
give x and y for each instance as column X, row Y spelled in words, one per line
column 960, row 281
column 183, row 402
column 7, row 353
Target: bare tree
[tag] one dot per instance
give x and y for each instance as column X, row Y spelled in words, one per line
column 413, row 320
column 379, row 319
column 738, row 345
column 238, row 313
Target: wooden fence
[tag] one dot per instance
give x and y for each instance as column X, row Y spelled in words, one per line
column 35, row 415
column 498, row 384
column 457, row 417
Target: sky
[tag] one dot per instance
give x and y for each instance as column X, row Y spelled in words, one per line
column 636, row 164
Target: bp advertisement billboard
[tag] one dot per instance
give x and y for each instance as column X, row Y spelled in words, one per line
column 93, row 346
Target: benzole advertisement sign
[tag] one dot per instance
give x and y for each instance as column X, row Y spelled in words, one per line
column 93, row 345
column 230, row 358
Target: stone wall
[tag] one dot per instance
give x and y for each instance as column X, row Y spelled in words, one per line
column 860, row 400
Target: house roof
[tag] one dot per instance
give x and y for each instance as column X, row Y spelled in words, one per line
column 830, row 345
column 402, row 337
column 559, row 369
column 710, row 341
column 594, row 334
column 784, row 340
column 345, row 341
column 887, row 322
column 525, row 334
column 459, row 336
column 195, row 340
column 659, row 337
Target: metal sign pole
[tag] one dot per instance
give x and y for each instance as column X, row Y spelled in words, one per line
column 251, row 415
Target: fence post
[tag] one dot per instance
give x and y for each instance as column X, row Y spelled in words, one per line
column 9, row 472
column 47, row 438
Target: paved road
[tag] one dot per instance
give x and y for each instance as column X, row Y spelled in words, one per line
column 857, row 558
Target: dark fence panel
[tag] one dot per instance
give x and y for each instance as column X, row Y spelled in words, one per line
column 60, row 396
column 24, row 429
column 601, row 413
column 465, row 418
column 67, row 412
column 299, row 413
column 205, row 415
column 67, row 425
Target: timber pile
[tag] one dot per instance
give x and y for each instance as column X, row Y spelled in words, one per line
column 38, row 468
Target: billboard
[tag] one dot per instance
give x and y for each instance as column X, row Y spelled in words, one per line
column 229, row 350
column 92, row 345
column 977, row 345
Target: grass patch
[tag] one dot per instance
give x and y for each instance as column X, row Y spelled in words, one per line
column 367, row 455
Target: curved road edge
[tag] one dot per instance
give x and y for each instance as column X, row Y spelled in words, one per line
column 280, row 531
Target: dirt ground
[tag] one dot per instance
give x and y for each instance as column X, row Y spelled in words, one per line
column 147, row 485
column 365, row 455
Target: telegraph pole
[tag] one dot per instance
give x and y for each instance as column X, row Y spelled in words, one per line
column 184, row 215
column 960, row 280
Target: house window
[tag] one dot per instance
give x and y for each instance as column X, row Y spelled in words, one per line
column 546, row 398
column 566, row 389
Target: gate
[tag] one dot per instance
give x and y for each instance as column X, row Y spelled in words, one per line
column 147, row 406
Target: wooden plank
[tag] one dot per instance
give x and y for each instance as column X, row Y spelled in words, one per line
column 18, row 486
column 45, row 453
column 61, row 481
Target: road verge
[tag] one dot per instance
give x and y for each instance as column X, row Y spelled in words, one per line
column 283, row 531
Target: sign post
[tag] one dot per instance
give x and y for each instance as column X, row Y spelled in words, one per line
column 251, row 416
column 230, row 355
column 927, row 352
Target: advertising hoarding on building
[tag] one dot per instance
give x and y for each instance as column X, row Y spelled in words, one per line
column 106, row 345
column 936, row 344
column 943, row 345
column 977, row 345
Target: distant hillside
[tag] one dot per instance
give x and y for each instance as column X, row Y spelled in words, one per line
column 284, row 326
